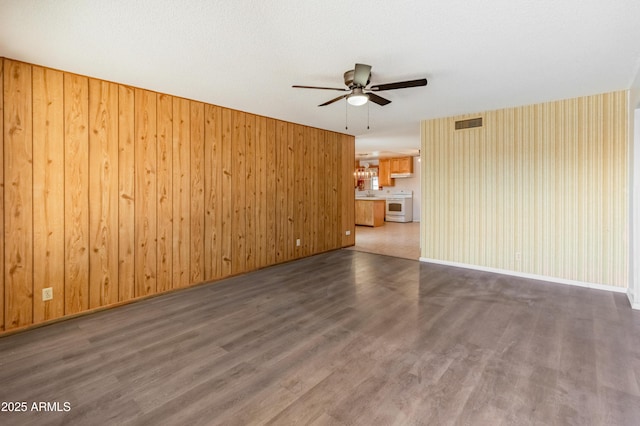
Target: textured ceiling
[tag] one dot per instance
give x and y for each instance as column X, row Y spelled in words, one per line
column 477, row 55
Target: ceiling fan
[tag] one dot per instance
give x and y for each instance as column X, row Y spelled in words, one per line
column 357, row 80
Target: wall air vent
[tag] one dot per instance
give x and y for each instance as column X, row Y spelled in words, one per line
column 469, row 124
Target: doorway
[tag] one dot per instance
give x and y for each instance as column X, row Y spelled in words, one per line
column 398, row 239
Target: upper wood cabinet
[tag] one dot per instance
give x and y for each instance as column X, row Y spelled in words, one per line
column 402, row 165
column 384, row 170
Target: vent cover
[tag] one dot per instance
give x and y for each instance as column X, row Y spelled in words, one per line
column 469, row 124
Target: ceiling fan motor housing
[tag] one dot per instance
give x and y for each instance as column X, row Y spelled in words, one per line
column 348, row 79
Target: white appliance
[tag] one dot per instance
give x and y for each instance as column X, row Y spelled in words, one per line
column 399, row 206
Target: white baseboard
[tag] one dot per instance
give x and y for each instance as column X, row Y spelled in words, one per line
column 635, row 305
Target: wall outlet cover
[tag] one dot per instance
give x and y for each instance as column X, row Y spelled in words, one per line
column 47, row 293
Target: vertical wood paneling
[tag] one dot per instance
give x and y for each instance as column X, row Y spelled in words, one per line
column 337, row 232
column 250, row 191
column 146, row 192
column 126, row 193
column 181, row 192
column 328, row 174
column 261, row 190
column 227, row 192
column 336, row 202
column 281, row 188
column 196, row 225
column 115, row 193
column 2, row 62
column 298, row 182
column 103, row 193
column 291, row 201
column 213, row 192
column 76, row 186
column 48, row 191
column 165, row 193
column 311, row 163
column 538, row 189
column 271, row 190
column 331, row 213
column 321, row 183
column 18, row 231
column 238, row 223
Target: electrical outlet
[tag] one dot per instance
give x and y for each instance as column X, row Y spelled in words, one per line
column 518, row 256
column 298, row 242
column 347, row 233
column 47, row 293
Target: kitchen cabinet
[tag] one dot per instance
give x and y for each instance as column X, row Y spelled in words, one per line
column 402, row 165
column 384, row 171
column 370, row 212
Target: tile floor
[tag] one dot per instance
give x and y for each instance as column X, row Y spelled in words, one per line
column 392, row 239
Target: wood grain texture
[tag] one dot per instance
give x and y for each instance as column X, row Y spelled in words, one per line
column 250, row 191
column 181, row 192
column 352, row 338
column 291, row 199
column 321, row 179
column 227, row 191
column 271, row 190
column 2, row 297
column 196, row 256
column 213, row 192
column 76, row 190
column 18, row 231
column 538, row 189
column 310, row 197
column 118, row 193
column 281, row 187
column 126, row 193
column 261, row 190
column 48, row 192
column 337, row 184
column 370, row 212
column 165, row 193
column 331, row 186
column 103, row 193
column 239, row 196
column 146, row 192
column 299, row 202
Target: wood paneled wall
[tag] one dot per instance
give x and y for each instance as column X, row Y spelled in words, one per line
column 539, row 189
column 115, row 193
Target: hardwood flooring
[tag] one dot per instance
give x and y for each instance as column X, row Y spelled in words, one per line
column 342, row 338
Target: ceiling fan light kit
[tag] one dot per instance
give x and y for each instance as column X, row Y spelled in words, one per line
column 357, row 81
column 357, row 98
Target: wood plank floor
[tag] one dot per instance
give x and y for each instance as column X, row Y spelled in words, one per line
column 344, row 338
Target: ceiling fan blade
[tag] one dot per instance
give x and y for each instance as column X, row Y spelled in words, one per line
column 334, row 100
column 316, row 87
column 399, row 85
column 361, row 75
column 378, row 99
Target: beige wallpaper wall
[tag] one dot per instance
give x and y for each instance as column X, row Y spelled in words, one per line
column 539, row 189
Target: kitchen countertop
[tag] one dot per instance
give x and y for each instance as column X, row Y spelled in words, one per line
column 370, row 199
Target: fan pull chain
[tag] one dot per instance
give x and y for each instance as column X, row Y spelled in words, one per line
column 368, row 103
column 346, row 117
